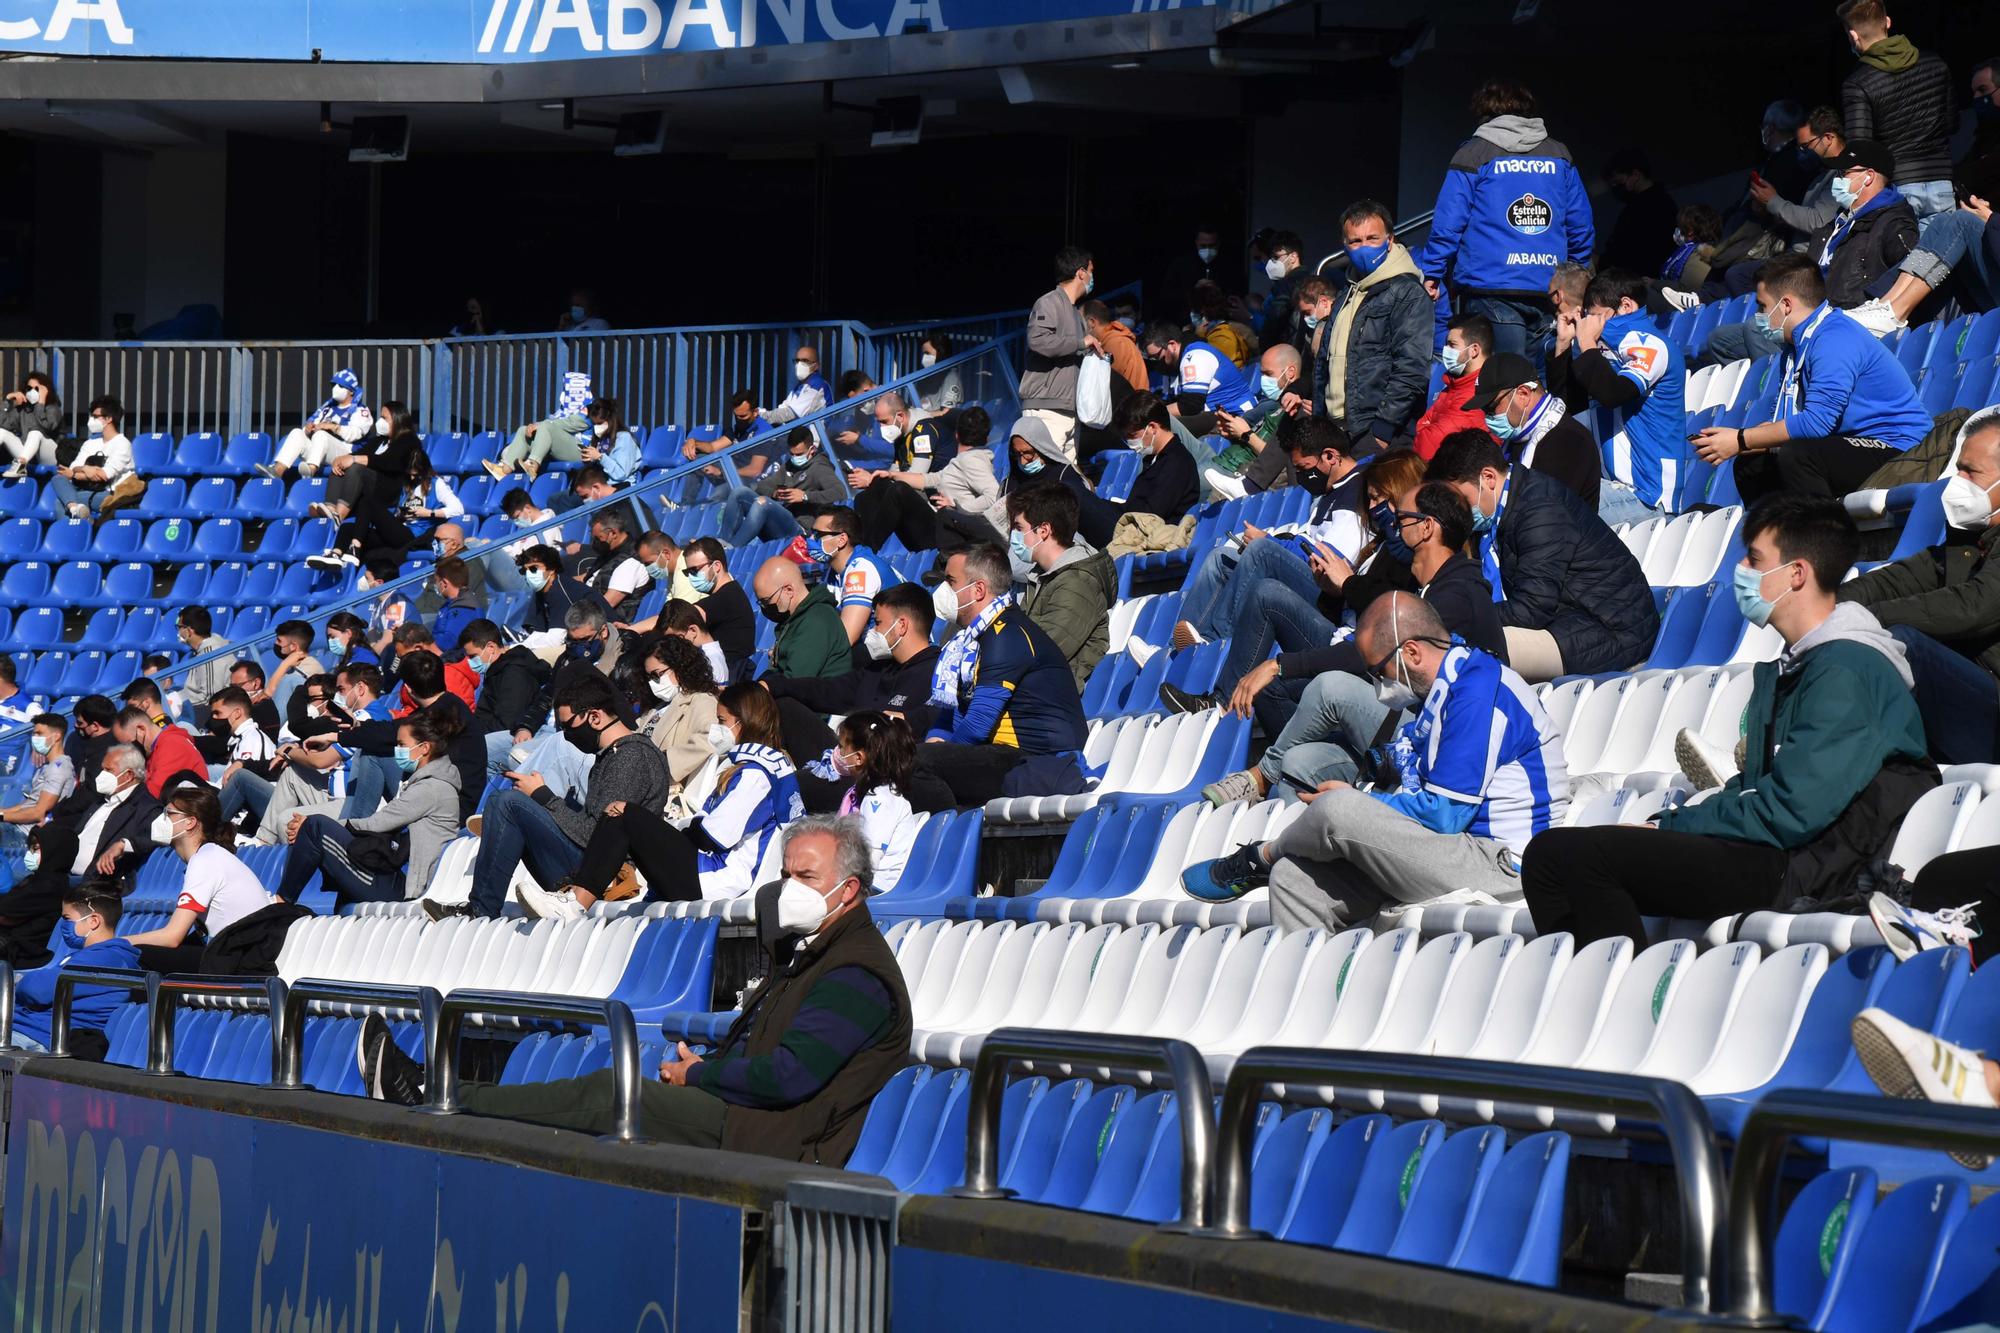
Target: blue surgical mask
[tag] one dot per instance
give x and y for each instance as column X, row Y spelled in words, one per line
column 1843, row 193
column 797, row 461
column 1749, row 588
column 1481, row 520
column 1267, row 386
column 586, row 650
column 31, row 860
column 1367, row 258
column 1312, row 321
column 1500, row 427
column 405, row 761
column 575, row 313
column 815, row 549
column 1762, row 323
column 1382, row 517
column 1452, row 360
column 40, row 744
column 477, row 663
column 1032, row 466
column 337, row 644
column 538, row 579
column 437, row 549
column 72, row 938
column 1017, row 546
column 701, row 580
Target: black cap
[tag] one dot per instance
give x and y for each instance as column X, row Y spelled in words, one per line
column 1866, row 153
column 1503, row 371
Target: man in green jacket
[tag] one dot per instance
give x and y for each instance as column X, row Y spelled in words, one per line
column 1834, row 757
column 811, row 641
column 1943, row 606
column 1071, row 584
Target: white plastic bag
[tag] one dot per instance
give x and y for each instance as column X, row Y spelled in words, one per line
column 1093, row 391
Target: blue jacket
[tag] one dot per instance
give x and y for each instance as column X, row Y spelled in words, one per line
column 1847, row 384
column 620, row 458
column 1024, row 693
column 1650, row 451
column 1507, row 215
column 91, row 1007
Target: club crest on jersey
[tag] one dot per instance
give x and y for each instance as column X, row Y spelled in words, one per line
column 1530, row 216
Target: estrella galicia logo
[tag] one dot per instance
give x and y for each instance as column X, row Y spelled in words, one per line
column 1530, row 216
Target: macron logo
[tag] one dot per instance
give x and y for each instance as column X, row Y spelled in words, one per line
column 65, row 13
column 1515, row 166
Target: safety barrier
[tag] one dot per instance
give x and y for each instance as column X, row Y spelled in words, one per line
column 441, row 1080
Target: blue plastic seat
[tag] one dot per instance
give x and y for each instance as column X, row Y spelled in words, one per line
column 211, row 496
column 1392, row 1175
column 885, row 1119
column 244, row 453
column 1075, row 1163
column 1967, row 1291
column 120, row 669
column 261, row 498
column 1921, row 992
column 37, row 628
column 1516, row 1230
column 198, row 456
column 169, row 539
column 153, row 455
column 198, row 582
column 77, row 583
column 84, row 672
column 662, row 448
column 1124, row 1154
column 20, row 537
column 446, row 449
column 918, row 1135
column 479, row 495
column 1816, row 1242
column 164, row 496
column 118, row 539
column 25, row 583
column 483, row 447
column 1904, row 1241
column 103, row 628
column 1322, row 1195
column 67, row 537
column 1029, row 1154
column 221, row 537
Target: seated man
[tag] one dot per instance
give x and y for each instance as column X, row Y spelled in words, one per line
column 1623, row 362
column 931, row 476
column 53, row 779
column 1323, row 461
column 169, row 753
column 810, row 638
column 1169, row 482
column 1943, row 606
column 115, row 838
column 810, row 394
column 1202, row 378
column 770, row 509
column 1327, row 729
column 461, row 606
column 1250, row 464
column 1468, row 783
column 448, row 540
column 724, row 606
column 248, row 677
column 513, row 690
column 325, row 774
column 741, row 423
column 1004, row 689
column 1834, row 757
column 1071, row 587
column 793, row 1078
column 1468, row 342
column 591, row 484
column 89, row 926
column 102, row 474
column 1846, row 406
column 854, row 574
column 1546, row 437
column 553, row 592
column 611, row 568
column 1573, row 598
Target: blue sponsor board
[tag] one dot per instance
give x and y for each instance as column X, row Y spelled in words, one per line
column 125, row 1212
column 481, row 31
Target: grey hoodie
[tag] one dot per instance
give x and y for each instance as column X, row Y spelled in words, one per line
column 1856, row 624
column 1514, row 134
column 427, row 806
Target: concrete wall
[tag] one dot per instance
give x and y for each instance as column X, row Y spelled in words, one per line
column 163, row 235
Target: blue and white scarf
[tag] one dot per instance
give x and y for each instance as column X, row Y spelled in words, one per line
column 341, row 412
column 576, row 396
column 958, row 661
column 1677, row 263
column 1489, row 549
column 1795, row 360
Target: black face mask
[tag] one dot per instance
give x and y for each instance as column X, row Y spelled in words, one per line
column 771, row 611
column 586, row 650
column 1382, row 517
column 584, row 737
column 1313, row 483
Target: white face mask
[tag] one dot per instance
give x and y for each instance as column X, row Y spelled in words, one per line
column 315, row 711
column 161, row 830
column 1274, row 269
column 928, row 359
column 106, row 784
column 601, row 429
column 721, row 737
column 890, row 432
column 802, row 370
column 944, row 601
column 96, row 426
column 666, row 689
column 878, row 645
column 801, row 909
column 1966, row 506
column 340, row 395
column 34, row 395
column 1206, row 252
column 382, row 427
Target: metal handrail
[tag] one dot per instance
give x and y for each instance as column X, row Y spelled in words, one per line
column 1165, row 1056
column 441, row 1081
column 163, row 999
column 1760, row 1151
column 289, row 1018
column 7, row 1008
column 1405, row 228
column 1682, row 1119
column 115, row 978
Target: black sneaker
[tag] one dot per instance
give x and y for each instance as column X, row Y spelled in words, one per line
column 1179, row 700
column 386, row 1073
column 439, row 911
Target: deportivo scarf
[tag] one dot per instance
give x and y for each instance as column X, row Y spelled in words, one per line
column 958, row 661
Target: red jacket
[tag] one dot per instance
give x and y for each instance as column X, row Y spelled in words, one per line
column 1450, row 411
column 459, row 679
column 173, row 753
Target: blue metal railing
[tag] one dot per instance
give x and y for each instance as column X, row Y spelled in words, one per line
column 827, row 420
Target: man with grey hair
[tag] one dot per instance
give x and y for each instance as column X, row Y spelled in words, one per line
column 114, row 840
column 793, row 1078
column 1459, row 791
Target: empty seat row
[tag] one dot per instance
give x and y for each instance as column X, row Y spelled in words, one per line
column 1140, row 758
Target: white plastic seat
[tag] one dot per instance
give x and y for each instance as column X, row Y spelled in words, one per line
column 1934, row 825
column 1986, row 775
column 1020, row 985
column 1638, row 537
column 1576, row 1012
column 1590, row 729
column 1664, row 555
column 1300, row 1014
column 1695, row 392
column 1561, row 702
column 1124, row 615
column 1724, row 724
column 1637, row 723
column 1701, row 556
column 976, row 986
column 1753, row 1048
column 1197, row 958
column 1638, row 1011
column 964, row 944
column 1410, row 1017
column 1243, row 980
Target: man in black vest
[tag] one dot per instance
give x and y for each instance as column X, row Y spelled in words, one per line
column 833, row 979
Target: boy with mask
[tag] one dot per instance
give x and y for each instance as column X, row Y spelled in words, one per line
column 89, row 928
column 804, row 483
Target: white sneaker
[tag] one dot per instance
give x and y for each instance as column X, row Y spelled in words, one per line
column 1680, row 300
column 1706, row 765
column 1909, row 932
column 538, row 902
column 1140, row 651
column 79, row 512
column 1223, row 484
column 1914, row 1065
column 1877, row 317
column 16, row 470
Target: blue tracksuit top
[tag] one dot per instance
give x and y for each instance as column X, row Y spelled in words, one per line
column 1505, row 219
column 1840, row 380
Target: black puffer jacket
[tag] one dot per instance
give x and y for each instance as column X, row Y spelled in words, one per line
column 514, row 693
column 1911, row 112
column 1564, row 571
column 1864, row 263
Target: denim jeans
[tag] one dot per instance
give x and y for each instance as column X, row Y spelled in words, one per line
column 1929, row 198
column 1518, row 326
column 1951, row 243
column 561, row 765
column 245, row 791
column 749, row 517
column 1337, row 720
column 1223, row 584
column 1737, row 342
column 1957, row 698
column 502, row 574
column 67, row 493
column 372, row 780
column 1618, row 503
column 517, row 831
column 321, row 848
column 1272, row 614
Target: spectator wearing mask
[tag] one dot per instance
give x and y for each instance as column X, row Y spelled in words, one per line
column 1201, row 379
column 1285, row 267
column 1845, row 406
column 363, row 860
column 293, row 641
column 89, row 738
column 896, row 680
column 582, row 316
column 31, row 906
column 244, row 923
column 854, row 574
column 381, row 459
column 1328, row 729
column 195, row 628
column 386, row 526
column 412, row 641
column 681, row 716
column 522, row 511
column 1128, row 363
column 512, row 702
column 939, row 393
column 87, row 918
column 530, row 826
column 1468, row 342
column 1826, row 140
column 1624, row 363
column 1476, row 775
column 755, row 795
column 941, row 464
column 611, row 446
column 1324, row 464
column 792, row 1079
column 1697, row 231
column 1250, row 464
column 52, row 777
column 1567, row 285
column 170, row 754
column 1003, row 688
column 113, row 840
column 740, row 423
column 561, row 435
column 347, row 641
column 1169, row 482
column 1070, row 586
column 810, row 393
column 101, row 475
column 771, row 510
column 591, row 484
column 876, row 761
column 31, row 424
column 1512, row 206
column 334, row 428
column 1903, row 98
column 1534, row 426
column 1573, row 599
column 1834, row 757
column 1033, row 459
column 811, row 640
column 250, row 749
column 613, row 570
column 552, row 592
column 448, row 542
column 1208, row 317
column 1056, row 343
column 1200, row 262
column 1943, row 606
column 1640, row 239
column 725, row 606
column 249, row 677
column 460, row 608
column 1372, row 358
